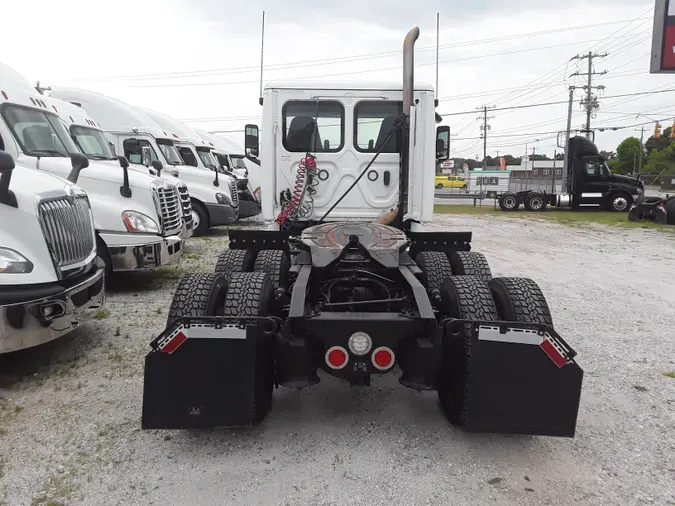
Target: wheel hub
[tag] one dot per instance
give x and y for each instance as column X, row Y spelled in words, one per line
column 620, row 203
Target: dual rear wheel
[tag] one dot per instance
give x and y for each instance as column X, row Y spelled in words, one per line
column 471, row 293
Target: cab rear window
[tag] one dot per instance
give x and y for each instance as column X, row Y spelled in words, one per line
column 374, row 120
column 316, row 126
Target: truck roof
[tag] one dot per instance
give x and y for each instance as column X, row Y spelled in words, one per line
column 292, row 84
column 111, row 115
column 221, row 144
column 72, row 114
column 15, row 89
column 175, row 128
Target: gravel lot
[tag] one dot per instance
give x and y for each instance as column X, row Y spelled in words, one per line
column 70, row 411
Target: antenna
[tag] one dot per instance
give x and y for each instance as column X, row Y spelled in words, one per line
column 438, row 39
column 262, row 54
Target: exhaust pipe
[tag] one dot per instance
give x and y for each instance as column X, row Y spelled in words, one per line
column 408, row 97
column 409, row 68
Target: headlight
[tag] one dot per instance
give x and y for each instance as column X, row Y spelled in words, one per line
column 640, row 191
column 221, row 198
column 12, row 262
column 138, row 222
column 256, row 194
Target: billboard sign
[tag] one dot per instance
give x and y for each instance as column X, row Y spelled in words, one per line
column 663, row 38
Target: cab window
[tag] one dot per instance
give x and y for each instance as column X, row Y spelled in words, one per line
column 316, row 126
column 188, row 156
column 374, row 120
column 38, row 133
column 591, row 169
column 133, row 150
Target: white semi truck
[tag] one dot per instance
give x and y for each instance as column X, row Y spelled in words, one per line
column 51, row 279
column 137, row 217
column 249, row 198
column 91, row 140
column 129, row 129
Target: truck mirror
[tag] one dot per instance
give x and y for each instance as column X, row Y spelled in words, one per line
column 158, row 166
column 251, row 134
column 78, row 161
column 125, row 189
column 146, row 156
column 442, row 143
column 6, row 168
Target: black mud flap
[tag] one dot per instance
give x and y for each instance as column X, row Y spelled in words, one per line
column 520, row 379
column 201, row 373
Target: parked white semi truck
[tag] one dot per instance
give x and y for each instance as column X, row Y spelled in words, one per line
column 249, row 198
column 130, row 129
column 137, row 226
column 91, row 140
column 194, row 151
column 51, row 279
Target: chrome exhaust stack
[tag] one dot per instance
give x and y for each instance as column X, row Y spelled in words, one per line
column 408, row 98
column 409, row 68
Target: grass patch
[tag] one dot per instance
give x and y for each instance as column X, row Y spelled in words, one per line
column 102, row 315
column 669, row 374
column 562, row 216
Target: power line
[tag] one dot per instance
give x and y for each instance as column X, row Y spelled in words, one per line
column 343, row 59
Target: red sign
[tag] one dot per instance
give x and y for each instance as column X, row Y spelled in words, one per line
column 669, row 48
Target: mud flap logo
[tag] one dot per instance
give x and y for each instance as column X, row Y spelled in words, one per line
column 194, row 411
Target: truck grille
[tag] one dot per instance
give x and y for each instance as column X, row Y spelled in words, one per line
column 234, row 192
column 172, row 212
column 68, row 228
column 184, row 196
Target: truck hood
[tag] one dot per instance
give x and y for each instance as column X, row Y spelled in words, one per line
column 139, row 169
column 620, row 178
column 20, row 229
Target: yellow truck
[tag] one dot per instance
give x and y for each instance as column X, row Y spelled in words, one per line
column 444, row 181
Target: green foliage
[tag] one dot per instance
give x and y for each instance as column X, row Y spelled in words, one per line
column 660, row 161
column 628, row 155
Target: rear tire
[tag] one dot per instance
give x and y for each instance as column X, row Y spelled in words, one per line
column 435, row 268
column 535, row 202
column 509, row 202
column 234, row 260
column 465, row 297
column 276, row 264
column 634, row 214
column 520, row 300
column 198, row 295
column 103, row 253
column 204, row 225
column 670, row 211
column 251, row 294
column 470, row 263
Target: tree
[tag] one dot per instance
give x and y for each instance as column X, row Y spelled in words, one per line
column 608, row 155
column 660, row 161
column 559, row 156
column 512, row 160
column 628, row 153
column 658, row 144
column 538, row 157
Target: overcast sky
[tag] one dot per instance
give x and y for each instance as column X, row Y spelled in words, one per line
column 140, row 52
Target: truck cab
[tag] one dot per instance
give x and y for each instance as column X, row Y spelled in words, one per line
column 130, row 130
column 249, row 203
column 51, row 280
column 592, row 183
column 91, row 140
column 136, row 216
column 343, row 126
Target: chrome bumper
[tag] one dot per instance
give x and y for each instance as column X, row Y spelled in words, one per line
column 146, row 256
column 27, row 324
column 188, row 230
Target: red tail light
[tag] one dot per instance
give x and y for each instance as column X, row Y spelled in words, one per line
column 383, row 358
column 337, row 357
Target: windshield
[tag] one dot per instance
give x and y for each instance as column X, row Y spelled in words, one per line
column 170, row 152
column 238, row 161
column 38, row 133
column 207, row 159
column 92, row 142
column 223, row 160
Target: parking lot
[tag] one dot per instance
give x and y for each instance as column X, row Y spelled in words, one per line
column 70, row 411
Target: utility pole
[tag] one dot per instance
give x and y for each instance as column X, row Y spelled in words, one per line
column 484, row 128
column 591, row 101
column 533, row 149
column 642, row 148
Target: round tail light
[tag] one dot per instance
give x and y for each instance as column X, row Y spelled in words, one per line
column 382, row 358
column 337, row 357
column 360, row 343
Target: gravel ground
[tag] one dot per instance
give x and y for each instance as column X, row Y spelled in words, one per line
column 70, row 411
